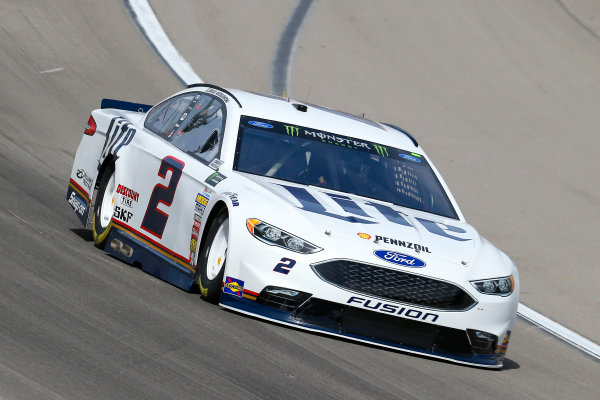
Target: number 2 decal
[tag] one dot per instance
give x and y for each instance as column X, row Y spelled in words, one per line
column 155, row 220
column 285, row 265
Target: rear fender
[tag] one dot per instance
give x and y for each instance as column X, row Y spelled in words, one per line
column 94, row 154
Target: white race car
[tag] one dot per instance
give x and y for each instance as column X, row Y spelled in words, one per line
column 297, row 214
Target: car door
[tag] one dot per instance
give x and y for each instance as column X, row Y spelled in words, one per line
column 173, row 158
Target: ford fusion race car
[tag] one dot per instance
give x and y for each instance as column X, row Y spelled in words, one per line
column 297, row 214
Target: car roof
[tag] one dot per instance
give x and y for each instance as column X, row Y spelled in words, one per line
column 287, row 110
column 291, row 111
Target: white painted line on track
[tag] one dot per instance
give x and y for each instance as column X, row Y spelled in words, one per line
column 152, row 29
column 48, row 71
column 148, row 23
column 559, row 331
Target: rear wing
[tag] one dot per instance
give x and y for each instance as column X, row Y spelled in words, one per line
column 125, row 105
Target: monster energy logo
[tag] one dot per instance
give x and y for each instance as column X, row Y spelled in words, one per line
column 291, row 130
column 381, row 150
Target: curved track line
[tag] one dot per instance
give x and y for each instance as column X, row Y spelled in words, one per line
column 149, row 25
column 282, row 66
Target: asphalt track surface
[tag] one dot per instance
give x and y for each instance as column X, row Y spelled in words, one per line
column 502, row 95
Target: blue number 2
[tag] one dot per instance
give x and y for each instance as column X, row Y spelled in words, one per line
column 285, row 265
column 155, row 220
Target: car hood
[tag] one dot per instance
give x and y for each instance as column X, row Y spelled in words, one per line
column 321, row 215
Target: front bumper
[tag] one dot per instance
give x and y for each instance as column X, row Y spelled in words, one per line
column 363, row 305
column 409, row 335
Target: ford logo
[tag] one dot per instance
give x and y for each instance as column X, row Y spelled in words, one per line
column 409, row 157
column 260, row 124
column 399, row 258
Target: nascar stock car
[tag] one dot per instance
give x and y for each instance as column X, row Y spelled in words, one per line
column 298, row 214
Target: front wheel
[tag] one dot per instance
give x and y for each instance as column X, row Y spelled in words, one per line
column 104, row 207
column 211, row 265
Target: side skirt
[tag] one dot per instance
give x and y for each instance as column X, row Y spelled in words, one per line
column 130, row 248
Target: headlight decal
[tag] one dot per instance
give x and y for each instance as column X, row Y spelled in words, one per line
column 497, row 286
column 274, row 236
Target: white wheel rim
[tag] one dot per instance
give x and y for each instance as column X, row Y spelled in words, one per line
column 218, row 251
column 108, row 202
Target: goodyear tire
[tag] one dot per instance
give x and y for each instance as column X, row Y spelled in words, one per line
column 211, row 263
column 104, row 206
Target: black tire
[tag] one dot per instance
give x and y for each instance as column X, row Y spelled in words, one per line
column 212, row 259
column 100, row 225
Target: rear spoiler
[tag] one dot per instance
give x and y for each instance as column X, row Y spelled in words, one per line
column 125, row 105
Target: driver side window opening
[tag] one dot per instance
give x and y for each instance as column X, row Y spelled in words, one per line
column 193, row 122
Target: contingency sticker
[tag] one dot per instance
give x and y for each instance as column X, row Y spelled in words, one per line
column 233, row 286
column 195, row 235
column 215, row 164
column 501, row 348
column 201, row 203
column 215, row 178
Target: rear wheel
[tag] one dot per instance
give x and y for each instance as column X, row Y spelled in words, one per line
column 104, row 207
column 211, row 263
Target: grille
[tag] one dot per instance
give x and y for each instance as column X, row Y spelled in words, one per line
column 394, row 285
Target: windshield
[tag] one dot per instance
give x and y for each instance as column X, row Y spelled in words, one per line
column 322, row 159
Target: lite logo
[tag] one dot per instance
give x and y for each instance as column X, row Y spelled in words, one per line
column 118, row 135
column 309, row 203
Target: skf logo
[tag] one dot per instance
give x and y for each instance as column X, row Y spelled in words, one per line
column 233, row 286
column 291, row 130
column 364, row 235
column 381, row 150
column 122, row 214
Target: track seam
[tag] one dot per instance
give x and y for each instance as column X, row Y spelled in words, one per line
column 146, row 20
column 282, row 65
